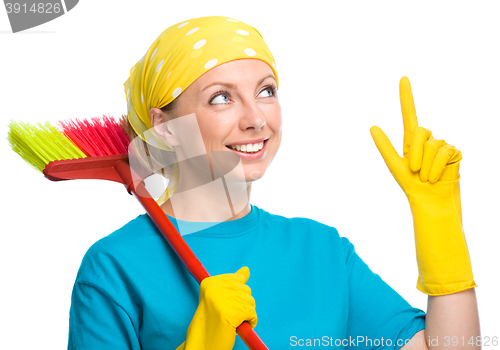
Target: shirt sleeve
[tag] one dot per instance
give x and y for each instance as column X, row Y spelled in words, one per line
column 98, row 322
column 379, row 318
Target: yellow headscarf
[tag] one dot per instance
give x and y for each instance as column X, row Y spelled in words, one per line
column 181, row 54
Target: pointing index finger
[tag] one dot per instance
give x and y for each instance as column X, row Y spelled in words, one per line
column 408, row 111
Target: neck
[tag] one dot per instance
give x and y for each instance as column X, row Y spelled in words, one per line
column 200, row 198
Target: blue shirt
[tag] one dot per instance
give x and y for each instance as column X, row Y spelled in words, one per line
column 310, row 287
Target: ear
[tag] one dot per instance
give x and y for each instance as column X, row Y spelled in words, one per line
column 161, row 128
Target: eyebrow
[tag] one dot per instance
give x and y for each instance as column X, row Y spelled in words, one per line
column 231, row 86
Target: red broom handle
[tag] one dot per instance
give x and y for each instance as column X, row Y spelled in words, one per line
column 178, row 244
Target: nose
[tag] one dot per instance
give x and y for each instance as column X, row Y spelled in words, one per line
column 252, row 117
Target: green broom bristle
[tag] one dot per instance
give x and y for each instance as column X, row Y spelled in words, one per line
column 41, row 144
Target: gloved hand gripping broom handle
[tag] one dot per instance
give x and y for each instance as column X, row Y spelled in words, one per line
column 116, row 168
column 194, row 266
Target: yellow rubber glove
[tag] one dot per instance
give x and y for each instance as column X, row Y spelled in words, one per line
column 428, row 174
column 225, row 302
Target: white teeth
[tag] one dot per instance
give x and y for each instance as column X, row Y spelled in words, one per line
column 250, row 148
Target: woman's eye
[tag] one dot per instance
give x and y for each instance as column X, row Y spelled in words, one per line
column 267, row 92
column 220, row 99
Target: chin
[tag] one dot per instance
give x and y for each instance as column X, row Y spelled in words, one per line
column 253, row 175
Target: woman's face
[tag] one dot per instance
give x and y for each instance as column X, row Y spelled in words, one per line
column 237, row 110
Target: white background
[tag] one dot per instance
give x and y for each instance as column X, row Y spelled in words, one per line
column 339, row 64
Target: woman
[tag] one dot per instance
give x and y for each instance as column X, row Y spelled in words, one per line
column 204, row 102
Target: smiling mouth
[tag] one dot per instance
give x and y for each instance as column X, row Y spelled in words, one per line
column 249, row 148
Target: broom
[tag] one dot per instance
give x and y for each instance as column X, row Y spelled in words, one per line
column 98, row 149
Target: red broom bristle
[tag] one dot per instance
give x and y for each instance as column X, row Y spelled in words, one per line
column 97, row 136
